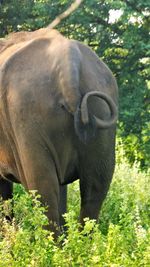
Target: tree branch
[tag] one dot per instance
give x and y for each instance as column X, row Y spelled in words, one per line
column 65, row 14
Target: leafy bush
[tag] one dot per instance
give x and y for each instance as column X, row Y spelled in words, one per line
column 122, row 238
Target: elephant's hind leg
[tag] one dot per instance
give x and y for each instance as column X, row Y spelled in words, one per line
column 43, row 178
column 94, row 186
column 6, row 193
column 62, row 203
column 6, row 189
column 40, row 174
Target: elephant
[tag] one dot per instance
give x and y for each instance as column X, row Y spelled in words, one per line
column 58, row 116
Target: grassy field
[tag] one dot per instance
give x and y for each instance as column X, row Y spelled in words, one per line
column 122, row 237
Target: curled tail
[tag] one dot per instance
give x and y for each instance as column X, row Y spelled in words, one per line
column 86, row 123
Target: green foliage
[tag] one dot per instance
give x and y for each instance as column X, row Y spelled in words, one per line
column 122, row 238
column 118, row 31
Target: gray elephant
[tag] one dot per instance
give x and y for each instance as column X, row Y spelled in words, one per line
column 58, row 114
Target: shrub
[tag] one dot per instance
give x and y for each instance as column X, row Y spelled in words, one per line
column 122, row 237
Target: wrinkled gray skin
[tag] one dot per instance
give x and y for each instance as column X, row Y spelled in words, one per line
column 51, row 131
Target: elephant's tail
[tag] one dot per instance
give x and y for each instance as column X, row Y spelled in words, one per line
column 87, row 123
column 70, row 70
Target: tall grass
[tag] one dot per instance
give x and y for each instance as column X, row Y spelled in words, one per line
column 122, row 237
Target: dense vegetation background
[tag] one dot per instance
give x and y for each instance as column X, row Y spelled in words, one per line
column 118, row 31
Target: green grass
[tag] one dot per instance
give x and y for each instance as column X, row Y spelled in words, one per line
column 122, row 237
